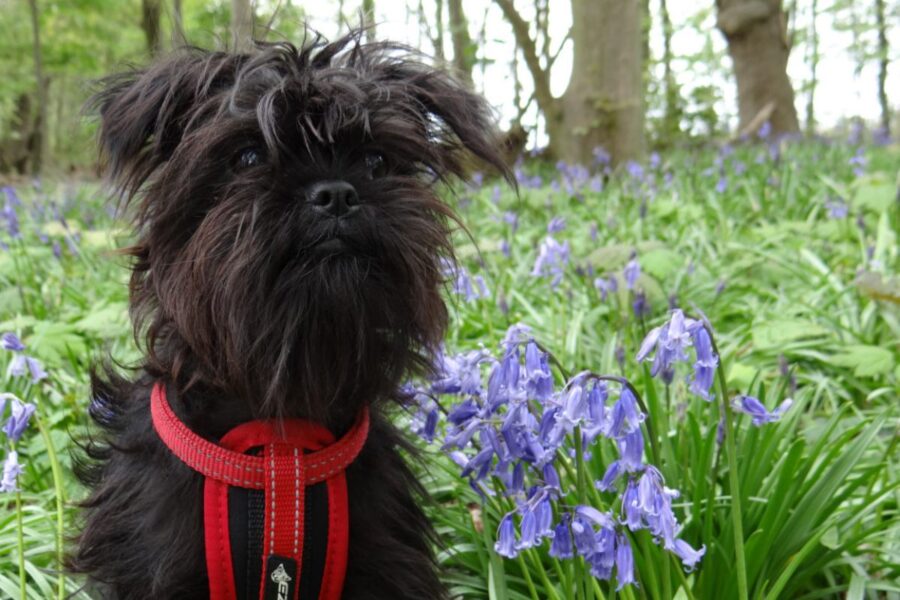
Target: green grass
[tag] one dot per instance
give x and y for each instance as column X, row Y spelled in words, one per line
column 803, row 305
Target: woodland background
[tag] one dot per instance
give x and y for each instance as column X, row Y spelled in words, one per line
column 612, row 79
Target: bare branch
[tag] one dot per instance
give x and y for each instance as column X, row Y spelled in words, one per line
column 529, row 50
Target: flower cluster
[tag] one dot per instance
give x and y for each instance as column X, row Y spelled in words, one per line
column 16, row 423
column 551, row 260
column 671, row 341
column 470, row 288
column 513, row 433
column 21, row 364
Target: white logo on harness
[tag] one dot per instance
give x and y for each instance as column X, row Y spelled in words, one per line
column 280, row 576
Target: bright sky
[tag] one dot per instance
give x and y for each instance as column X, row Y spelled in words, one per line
column 841, row 93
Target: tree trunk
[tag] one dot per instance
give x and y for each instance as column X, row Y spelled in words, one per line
column 756, row 32
column 241, row 25
column 368, row 9
column 39, row 133
column 813, row 69
column 179, row 39
column 883, row 60
column 463, row 49
column 603, row 105
column 671, row 110
column 439, row 31
column 151, row 10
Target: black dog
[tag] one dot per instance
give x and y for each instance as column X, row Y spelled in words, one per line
column 287, row 264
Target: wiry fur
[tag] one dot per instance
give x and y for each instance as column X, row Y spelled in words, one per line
column 240, row 311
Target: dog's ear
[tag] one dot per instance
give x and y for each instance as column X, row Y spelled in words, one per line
column 461, row 122
column 145, row 112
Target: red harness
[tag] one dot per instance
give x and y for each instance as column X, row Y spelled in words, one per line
column 296, row 455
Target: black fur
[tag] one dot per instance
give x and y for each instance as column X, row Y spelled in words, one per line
column 245, row 314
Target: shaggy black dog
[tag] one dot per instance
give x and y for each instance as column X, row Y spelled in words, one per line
column 287, row 263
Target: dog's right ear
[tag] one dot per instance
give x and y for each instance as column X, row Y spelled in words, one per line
column 144, row 113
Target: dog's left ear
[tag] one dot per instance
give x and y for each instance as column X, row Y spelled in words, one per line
column 461, row 123
column 144, row 113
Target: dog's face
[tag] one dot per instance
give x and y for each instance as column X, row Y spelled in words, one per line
column 289, row 236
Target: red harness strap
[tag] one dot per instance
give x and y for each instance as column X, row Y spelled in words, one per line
column 295, row 454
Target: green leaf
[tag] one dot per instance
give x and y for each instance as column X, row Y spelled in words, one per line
column 866, row 361
column 777, row 333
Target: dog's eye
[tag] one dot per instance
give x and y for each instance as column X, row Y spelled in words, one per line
column 250, row 157
column 375, row 165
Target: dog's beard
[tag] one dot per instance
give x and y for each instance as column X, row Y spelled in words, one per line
column 297, row 315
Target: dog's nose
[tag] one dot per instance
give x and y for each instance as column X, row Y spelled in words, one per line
column 336, row 198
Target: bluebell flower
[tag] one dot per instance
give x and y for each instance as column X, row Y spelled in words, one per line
column 512, row 219
column 602, row 286
column 613, row 471
column 506, row 538
column 722, row 185
column 631, row 449
column 689, row 557
column 11, row 471
column 604, row 558
column 624, row 562
column 12, row 219
column 640, row 306
column 670, row 341
column 601, row 156
column 10, row 341
column 551, row 477
column 460, row 374
column 556, row 225
column 635, row 170
column 625, row 417
column 753, row 407
column 583, row 534
column 765, row 130
column 705, row 366
column 528, row 537
column 631, row 506
column 562, row 547
column 631, row 273
column 551, row 260
column 837, row 209
column 538, row 378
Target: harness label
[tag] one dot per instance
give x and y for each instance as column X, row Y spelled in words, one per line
column 281, row 578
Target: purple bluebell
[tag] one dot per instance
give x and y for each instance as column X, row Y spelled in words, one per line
column 551, row 477
column 11, row 217
column 562, row 546
column 625, row 415
column 613, row 471
column 602, row 286
column 601, row 156
column 720, row 287
column 528, row 537
column 631, row 273
column 765, row 130
column 837, row 209
column 538, row 378
column 631, row 449
column 459, row 374
column 556, row 225
column 624, row 562
column 631, row 506
column 463, row 411
column 583, row 534
column 506, row 538
column 11, row 471
column 551, row 260
column 722, row 185
column 706, row 363
column 604, row 557
column 640, row 306
column 753, row 407
column 689, row 557
column 10, row 341
column 635, row 170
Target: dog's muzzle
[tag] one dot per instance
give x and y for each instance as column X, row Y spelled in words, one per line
column 275, row 517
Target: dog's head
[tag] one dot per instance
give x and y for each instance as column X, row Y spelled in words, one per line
column 289, row 236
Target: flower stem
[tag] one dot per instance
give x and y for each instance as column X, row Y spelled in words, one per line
column 20, row 544
column 60, row 501
column 733, row 483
